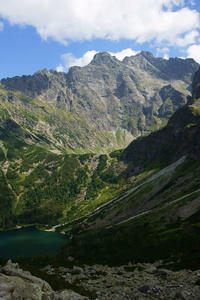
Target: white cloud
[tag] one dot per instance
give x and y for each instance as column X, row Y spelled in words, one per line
column 126, row 52
column 164, row 52
column 194, row 52
column 69, row 60
column 73, row 20
column 60, row 68
column 166, row 56
column 1, row 26
column 188, row 39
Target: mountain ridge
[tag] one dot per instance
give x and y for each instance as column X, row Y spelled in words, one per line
column 113, row 101
column 143, row 197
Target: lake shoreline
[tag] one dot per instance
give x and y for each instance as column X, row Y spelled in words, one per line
column 18, row 227
column 29, row 241
column 38, row 226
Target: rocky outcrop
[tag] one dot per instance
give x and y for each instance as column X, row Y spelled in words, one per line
column 134, row 281
column 18, row 284
column 180, row 137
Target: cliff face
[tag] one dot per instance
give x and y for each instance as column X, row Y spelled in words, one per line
column 105, row 104
column 196, row 86
column 180, row 137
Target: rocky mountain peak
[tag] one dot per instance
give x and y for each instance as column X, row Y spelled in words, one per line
column 117, row 99
column 42, row 72
column 104, row 58
column 146, row 54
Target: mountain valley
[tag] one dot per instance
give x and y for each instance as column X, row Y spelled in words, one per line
column 108, row 154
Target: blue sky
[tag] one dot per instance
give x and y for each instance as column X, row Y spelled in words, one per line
column 58, row 34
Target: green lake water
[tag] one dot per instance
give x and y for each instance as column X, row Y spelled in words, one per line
column 29, row 241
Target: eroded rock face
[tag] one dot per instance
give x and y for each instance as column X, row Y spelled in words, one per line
column 196, row 85
column 18, row 284
column 135, row 95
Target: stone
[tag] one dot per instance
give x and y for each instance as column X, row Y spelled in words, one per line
column 108, row 284
column 92, row 271
column 162, row 272
column 146, row 289
column 70, row 258
column 70, row 295
column 180, row 295
column 151, row 270
column 110, row 281
column 63, row 270
column 47, row 268
column 78, row 269
column 18, row 284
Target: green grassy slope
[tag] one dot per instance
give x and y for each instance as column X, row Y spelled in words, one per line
column 143, row 201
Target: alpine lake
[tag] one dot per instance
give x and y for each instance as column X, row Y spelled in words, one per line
column 28, row 242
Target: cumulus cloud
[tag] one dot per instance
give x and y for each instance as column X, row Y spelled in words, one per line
column 73, row 20
column 69, row 60
column 164, row 52
column 1, row 26
column 126, row 52
column 188, row 39
column 194, row 52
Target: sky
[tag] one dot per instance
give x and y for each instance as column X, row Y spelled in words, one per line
column 59, row 34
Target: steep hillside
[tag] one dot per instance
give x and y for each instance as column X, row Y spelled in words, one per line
column 196, row 87
column 158, row 216
column 143, row 197
column 39, row 186
column 100, row 107
column 153, row 170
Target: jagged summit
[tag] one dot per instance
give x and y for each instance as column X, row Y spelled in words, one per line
column 104, row 58
column 108, row 102
column 146, row 54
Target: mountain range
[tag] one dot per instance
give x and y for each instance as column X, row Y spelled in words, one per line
column 100, row 107
column 140, row 197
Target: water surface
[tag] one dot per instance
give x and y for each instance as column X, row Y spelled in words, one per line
column 29, row 241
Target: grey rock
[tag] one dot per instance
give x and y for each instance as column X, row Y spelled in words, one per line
column 162, row 272
column 47, row 268
column 78, row 269
column 18, row 284
column 133, row 96
column 146, row 289
column 151, row 270
column 180, row 295
column 70, row 258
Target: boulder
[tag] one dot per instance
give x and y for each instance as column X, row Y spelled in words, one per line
column 145, row 289
column 18, row 284
column 70, row 258
column 110, row 281
column 180, row 295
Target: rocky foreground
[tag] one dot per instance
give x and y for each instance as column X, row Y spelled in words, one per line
column 16, row 284
column 141, row 281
